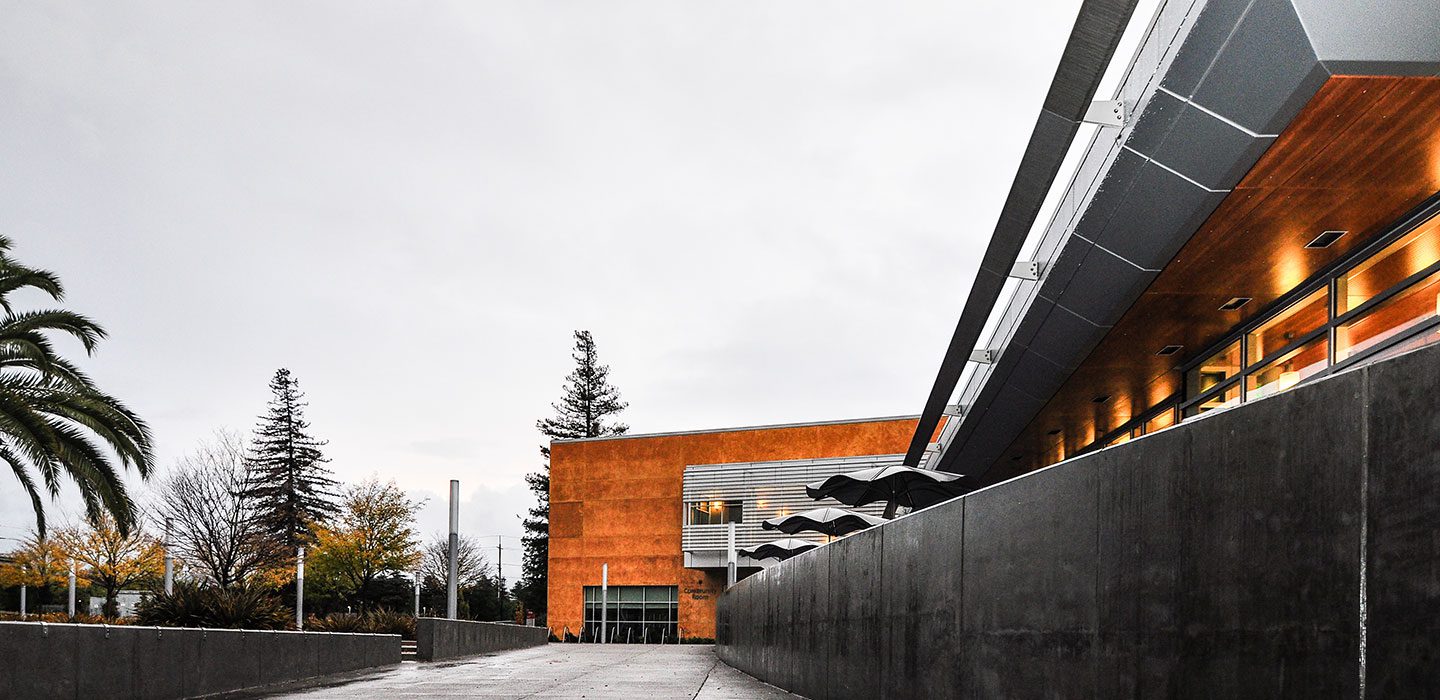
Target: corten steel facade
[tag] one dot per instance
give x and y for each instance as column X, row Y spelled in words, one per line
column 619, row 501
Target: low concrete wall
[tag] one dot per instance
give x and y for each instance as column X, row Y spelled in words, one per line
column 1285, row 548
column 439, row 638
column 43, row 660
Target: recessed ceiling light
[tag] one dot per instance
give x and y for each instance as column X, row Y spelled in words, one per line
column 1326, row 239
column 1169, row 350
column 1101, row 398
column 1235, row 303
column 1054, row 432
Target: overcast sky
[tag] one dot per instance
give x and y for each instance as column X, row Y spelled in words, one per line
column 765, row 211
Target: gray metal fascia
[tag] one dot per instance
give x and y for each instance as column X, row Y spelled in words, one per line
column 1097, row 32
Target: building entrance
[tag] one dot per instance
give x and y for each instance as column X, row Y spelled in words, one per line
column 636, row 615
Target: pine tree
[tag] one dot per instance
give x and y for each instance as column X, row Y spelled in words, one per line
column 588, row 402
column 291, row 487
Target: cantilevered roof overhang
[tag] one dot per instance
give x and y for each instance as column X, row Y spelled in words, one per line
column 1212, row 86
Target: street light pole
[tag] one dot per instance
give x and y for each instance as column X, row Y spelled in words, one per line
column 300, row 588
column 730, row 562
column 169, row 562
column 72, row 587
column 452, row 589
column 604, row 601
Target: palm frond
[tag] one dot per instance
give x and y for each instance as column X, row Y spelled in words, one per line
column 14, row 277
column 88, row 332
column 22, row 473
column 53, row 419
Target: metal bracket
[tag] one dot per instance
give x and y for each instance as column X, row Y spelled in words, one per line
column 984, row 357
column 1105, row 113
column 934, row 448
column 955, row 409
column 1027, row 270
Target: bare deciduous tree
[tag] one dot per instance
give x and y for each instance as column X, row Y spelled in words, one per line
column 470, row 563
column 214, row 525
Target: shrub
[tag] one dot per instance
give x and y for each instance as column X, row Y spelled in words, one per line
column 370, row 621
column 80, row 618
column 246, row 607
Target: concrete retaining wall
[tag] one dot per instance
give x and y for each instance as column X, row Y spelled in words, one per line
column 43, row 660
column 1233, row 556
column 438, row 638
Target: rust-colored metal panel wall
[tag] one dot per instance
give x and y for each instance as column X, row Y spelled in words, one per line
column 618, row 501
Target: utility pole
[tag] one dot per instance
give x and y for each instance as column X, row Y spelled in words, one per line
column 452, row 590
column 169, row 562
column 500, row 568
column 300, row 589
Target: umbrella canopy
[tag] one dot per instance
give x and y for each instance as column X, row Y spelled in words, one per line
column 826, row 521
column 780, row 549
column 898, row 485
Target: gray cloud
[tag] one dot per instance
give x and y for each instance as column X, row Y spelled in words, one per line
column 765, row 211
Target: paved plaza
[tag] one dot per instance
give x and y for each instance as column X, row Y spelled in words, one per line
column 554, row 671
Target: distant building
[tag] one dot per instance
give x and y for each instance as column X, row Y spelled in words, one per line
column 656, row 509
column 125, row 603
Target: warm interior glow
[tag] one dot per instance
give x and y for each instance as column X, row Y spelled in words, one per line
column 1293, row 268
column 1287, row 380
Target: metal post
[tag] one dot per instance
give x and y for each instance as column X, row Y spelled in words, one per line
column 730, row 560
column 500, row 567
column 417, row 594
column 300, row 589
column 169, row 562
column 22, row 601
column 452, row 589
column 72, row 587
column 604, row 601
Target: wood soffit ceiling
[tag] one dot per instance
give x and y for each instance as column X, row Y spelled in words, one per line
column 1361, row 154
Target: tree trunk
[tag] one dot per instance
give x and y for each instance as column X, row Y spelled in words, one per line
column 112, row 604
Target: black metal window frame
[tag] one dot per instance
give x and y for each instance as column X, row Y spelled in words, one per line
column 1327, row 279
column 732, row 511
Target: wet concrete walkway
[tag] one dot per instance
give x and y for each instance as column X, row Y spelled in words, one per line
column 554, row 671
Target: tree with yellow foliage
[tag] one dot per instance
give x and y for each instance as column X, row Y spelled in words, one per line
column 373, row 535
column 39, row 563
column 113, row 560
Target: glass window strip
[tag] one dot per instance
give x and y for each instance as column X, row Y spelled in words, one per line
column 1385, row 295
column 1378, row 348
column 1213, row 392
column 1327, row 278
column 1292, row 345
column 1139, row 422
column 1327, row 275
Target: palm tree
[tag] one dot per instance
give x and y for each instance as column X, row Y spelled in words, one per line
column 54, row 421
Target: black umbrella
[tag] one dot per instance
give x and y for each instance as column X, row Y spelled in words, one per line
column 780, row 549
column 897, row 485
column 826, row 521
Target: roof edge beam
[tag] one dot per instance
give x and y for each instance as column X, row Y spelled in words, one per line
column 1088, row 52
